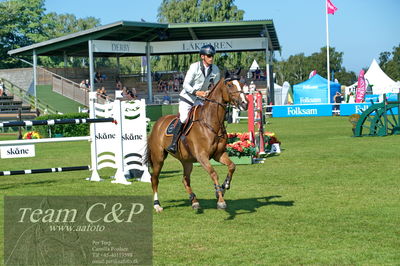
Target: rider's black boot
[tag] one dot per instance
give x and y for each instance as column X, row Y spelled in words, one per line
column 173, row 147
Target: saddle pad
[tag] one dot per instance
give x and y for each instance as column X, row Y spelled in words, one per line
column 171, row 126
column 186, row 127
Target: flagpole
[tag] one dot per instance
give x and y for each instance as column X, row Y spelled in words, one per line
column 327, row 51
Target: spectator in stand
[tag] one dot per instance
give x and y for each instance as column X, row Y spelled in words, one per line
column 124, row 92
column 134, row 93
column 97, row 77
column 176, row 84
column 165, row 85
column 131, row 93
column 118, row 84
column 166, row 98
column 242, row 80
column 252, row 87
column 160, row 85
column 1, row 88
column 103, row 94
column 170, row 85
column 258, row 74
column 84, row 84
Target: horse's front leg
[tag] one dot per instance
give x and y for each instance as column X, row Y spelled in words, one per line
column 205, row 162
column 187, row 170
column 224, row 159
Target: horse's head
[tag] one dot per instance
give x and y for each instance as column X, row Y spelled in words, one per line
column 233, row 92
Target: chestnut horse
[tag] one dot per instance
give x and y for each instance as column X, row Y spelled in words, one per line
column 205, row 140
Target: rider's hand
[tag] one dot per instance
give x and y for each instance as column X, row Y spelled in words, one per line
column 201, row 94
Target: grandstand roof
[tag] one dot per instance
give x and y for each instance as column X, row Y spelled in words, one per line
column 76, row 44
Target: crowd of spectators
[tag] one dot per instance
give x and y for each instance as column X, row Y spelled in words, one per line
column 172, row 84
column 2, row 88
column 166, row 84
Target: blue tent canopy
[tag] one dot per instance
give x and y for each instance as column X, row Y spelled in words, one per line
column 314, row 90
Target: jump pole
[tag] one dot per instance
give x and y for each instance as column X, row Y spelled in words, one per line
column 44, row 170
column 56, row 122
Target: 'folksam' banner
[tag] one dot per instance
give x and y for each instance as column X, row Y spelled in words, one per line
column 302, row 110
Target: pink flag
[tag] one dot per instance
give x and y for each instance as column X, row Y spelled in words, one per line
column 330, row 7
column 361, row 88
column 312, row 74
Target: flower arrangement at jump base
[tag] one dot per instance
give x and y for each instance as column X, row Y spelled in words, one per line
column 31, row 135
column 272, row 144
column 239, row 145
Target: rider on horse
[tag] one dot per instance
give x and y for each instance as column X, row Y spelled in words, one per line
column 196, row 84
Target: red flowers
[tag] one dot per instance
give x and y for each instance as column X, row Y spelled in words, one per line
column 31, row 135
column 239, row 144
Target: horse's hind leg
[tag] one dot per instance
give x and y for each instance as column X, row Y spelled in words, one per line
column 224, row 159
column 187, row 170
column 158, row 162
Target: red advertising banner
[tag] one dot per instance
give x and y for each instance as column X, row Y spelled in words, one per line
column 361, row 88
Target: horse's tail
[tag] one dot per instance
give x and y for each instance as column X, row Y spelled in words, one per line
column 147, row 155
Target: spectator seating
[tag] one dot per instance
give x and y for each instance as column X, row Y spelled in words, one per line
column 9, row 109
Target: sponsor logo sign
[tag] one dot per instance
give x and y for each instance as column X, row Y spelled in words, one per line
column 302, row 110
column 350, row 108
column 17, row 151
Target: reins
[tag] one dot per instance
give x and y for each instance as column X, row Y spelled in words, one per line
column 221, row 125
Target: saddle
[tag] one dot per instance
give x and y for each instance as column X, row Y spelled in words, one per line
column 186, row 126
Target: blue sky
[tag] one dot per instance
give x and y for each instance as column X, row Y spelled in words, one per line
column 362, row 29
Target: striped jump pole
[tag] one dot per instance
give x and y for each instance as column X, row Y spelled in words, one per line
column 55, row 122
column 45, row 170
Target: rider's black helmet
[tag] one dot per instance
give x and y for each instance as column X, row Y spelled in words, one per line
column 207, row 49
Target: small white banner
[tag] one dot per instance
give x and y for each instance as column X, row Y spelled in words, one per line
column 17, row 151
column 119, row 47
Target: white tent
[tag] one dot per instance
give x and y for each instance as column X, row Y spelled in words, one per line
column 281, row 93
column 380, row 82
column 254, row 66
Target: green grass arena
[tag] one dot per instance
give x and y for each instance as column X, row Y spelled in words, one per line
column 327, row 199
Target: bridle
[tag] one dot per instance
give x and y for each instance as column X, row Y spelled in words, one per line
column 223, row 105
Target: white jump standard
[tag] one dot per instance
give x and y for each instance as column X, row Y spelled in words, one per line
column 117, row 134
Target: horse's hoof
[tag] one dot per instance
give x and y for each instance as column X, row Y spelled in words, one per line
column 158, row 208
column 221, row 205
column 195, row 205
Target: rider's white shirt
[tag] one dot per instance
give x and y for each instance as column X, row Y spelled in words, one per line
column 195, row 80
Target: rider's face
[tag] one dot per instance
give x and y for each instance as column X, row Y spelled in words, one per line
column 207, row 59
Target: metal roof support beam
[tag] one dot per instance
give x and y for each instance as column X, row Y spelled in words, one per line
column 149, row 82
column 193, row 34
column 65, row 59
column 91, row 66
column 268, row 72
column 35, row 76
column 118, row 66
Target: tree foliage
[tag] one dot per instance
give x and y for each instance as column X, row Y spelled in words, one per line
column 189, row 11
column 24, row 22
column 390, row 63
column 297, row 68
column 21, row 23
